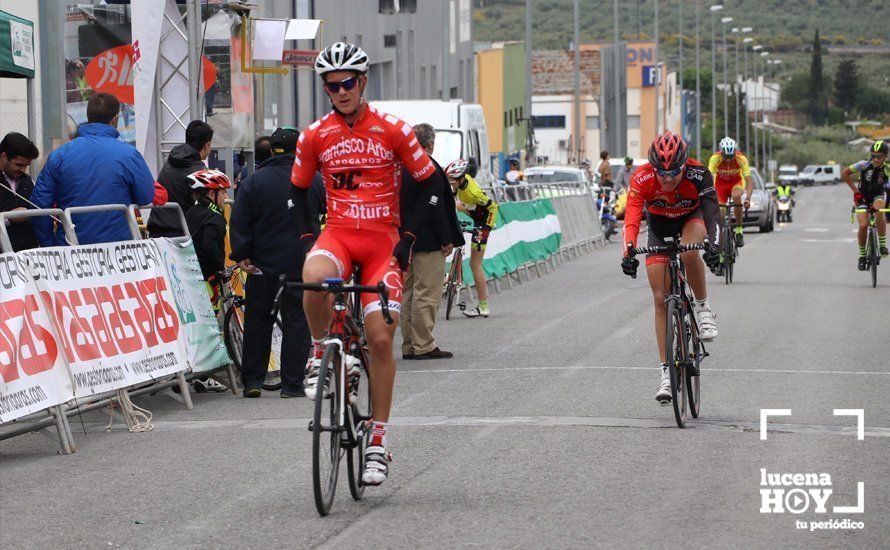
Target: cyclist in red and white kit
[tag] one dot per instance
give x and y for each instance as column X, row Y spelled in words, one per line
column 679, row 195
column 360, row 153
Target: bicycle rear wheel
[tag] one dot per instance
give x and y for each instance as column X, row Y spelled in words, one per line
column 233, row 334
column 728, row 255
column 676, row 354
column 360, row 414
column 693, row 372
column 327, row 431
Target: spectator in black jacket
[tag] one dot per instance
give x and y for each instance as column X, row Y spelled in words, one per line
column 436, row 238
column 184, row 160
column 16, row 154
column 265, row 242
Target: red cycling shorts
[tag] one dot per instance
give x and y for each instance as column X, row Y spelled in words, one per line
column 372, row 250
column 724, row 190
column 661, row 228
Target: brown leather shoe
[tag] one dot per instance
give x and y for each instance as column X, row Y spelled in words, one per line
column 436, row 353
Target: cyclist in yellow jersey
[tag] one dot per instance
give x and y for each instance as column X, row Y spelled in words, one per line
column 484, row 212
column 732, row 176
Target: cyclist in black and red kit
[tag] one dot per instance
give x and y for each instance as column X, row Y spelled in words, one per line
column 679, row 194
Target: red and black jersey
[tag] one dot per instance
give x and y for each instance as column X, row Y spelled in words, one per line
column 696, row 191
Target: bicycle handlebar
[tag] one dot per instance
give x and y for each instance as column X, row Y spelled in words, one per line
column 670, row 249
column 337, row 288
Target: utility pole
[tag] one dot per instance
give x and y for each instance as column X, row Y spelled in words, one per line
column 735, row 82
column 747, row 40
column 764, row 158
column 756, row 98
column 577, row 121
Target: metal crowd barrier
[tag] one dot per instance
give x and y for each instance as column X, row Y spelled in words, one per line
column 58, row 415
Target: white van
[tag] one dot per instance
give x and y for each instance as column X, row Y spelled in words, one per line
column 820, row 174
column 460, row 130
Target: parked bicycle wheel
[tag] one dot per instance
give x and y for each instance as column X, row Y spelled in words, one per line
column 452, row 285
column 360, row 414
column 233, row 334
column 326, row 431
column 676, row 354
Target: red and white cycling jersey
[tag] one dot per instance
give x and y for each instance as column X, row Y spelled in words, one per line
column 361, row 167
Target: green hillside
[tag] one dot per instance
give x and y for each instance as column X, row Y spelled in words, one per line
column 785, row 27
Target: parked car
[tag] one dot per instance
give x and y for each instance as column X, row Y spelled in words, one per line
column 820, row 174
column 788, row 174
column 557, row 175
column 762, row 213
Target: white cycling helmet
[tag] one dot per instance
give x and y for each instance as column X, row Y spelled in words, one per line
column 728, row 146
column 341, row 57
column 457, row 169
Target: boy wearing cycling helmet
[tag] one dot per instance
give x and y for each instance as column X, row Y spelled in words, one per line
column 484, row 211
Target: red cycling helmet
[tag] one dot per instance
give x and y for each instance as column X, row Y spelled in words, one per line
column 209, row 179
column 668, row 152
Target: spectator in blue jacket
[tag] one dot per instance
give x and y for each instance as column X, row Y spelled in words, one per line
column 92, row 169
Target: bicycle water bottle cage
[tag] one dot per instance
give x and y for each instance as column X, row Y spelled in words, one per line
column 334, row 281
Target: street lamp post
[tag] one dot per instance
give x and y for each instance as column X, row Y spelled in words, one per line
column 756, row 98
column 765, row 162
column 697, row 81
column 747, row 40
column 725, row 21
column 714, row 9
column 657, row 74
column 772, row 63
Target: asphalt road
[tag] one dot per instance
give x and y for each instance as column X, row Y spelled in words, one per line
column 543, row 430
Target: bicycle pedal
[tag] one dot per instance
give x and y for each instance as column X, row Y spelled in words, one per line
column 462, row 306
column 311, row 425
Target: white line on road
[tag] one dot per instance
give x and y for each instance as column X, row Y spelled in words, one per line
column 489, row 422
column 841, row 240
column 816, row 230
column 593, row 367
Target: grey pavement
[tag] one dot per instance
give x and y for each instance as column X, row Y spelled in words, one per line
column 543, row 430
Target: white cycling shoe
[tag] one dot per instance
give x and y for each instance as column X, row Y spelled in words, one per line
column 310, row 385
column 663, row 393
column 707, row 323
column 376, row 465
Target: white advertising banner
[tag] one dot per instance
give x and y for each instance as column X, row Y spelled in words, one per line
column 113, row 310
column 33, row 371
column 147, row 17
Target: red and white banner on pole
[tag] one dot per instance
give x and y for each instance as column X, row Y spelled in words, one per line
column 77, row 321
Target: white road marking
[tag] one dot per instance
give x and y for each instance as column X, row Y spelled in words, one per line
column 491, row 423
column 841, row 240
column 816, row 230
column 593, row 367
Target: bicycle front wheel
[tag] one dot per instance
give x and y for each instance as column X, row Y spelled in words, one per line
column 451, row 285
column 676, row 353
column 361, row 414
column 728, row 255
column 873, row 255
column 327, row 430
column 693, row 371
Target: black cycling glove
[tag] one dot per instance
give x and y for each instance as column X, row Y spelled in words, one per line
column 403, row 249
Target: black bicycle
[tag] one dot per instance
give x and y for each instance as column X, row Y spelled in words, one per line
column 341, row 420
column 730, row 252
column 684, row 350
column 232, row 309
column 872, row 249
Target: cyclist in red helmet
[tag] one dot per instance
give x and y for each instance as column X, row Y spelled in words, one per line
column 678, row 193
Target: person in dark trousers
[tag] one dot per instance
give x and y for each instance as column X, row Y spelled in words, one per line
column 16, row 154
column 436, row 238
column 95, row 168
column 265, row 241
column 184, row 160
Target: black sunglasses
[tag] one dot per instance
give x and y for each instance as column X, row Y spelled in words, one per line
column 348, row 84
column 878, row 155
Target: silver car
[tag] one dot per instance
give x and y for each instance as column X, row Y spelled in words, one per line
column 763, row 206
